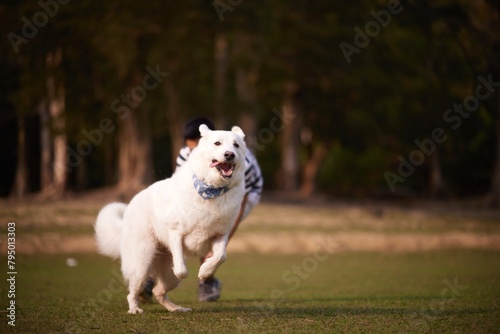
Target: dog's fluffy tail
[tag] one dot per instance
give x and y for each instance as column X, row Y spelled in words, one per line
column 108, row 229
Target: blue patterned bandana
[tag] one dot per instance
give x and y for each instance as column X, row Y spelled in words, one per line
column 206, row 191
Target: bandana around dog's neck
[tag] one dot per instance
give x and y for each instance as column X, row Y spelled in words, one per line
column 207, row 191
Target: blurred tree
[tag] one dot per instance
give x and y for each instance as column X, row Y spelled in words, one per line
column 40, row 79
column 481, row 44
column 20, row 187
column 342, row 121
column 56, row 104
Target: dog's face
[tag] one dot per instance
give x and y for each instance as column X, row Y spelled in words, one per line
column 222, row 152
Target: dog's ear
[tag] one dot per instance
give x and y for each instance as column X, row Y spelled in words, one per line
column 204, row 130
column 237, row 130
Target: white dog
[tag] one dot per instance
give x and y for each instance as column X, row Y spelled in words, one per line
column 192, row 211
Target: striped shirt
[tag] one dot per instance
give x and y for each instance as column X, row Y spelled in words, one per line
column 253, row 176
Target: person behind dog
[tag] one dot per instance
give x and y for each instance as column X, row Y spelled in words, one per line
column 209, row 289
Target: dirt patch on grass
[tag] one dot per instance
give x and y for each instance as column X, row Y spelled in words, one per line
column 287, row 242
column 274, row 227
column 293, row 243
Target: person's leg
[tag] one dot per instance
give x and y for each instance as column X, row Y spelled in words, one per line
column 146, row 296
column 209, row 289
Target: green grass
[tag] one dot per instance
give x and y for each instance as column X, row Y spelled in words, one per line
column 339, row 293
column 349, row 292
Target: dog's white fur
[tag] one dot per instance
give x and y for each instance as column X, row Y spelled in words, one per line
column 151, row 233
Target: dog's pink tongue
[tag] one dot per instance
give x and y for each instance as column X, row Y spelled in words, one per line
column 213, row 164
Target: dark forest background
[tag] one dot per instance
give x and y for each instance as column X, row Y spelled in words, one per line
column 334, row 96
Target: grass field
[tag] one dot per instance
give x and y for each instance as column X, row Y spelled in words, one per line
column 291, row 268
column 452, row 291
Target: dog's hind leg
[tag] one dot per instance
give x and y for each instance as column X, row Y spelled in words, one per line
column 166, row 281
column 135, row 287
column 135, row 267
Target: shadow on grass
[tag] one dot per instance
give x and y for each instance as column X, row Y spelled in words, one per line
column 329, row 311
column 340, row 299
column 298, row 308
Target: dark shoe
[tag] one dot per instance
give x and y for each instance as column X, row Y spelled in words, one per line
column 209, row 290
column 146, row 296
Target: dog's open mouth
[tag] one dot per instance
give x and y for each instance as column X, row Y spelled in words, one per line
column 225, row 168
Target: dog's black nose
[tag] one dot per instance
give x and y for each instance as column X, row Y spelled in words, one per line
column 229, row 155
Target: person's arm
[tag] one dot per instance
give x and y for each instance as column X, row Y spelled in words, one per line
column 184, row 153
column 238, row 218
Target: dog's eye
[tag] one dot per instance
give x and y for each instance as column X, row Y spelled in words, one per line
column 236, row 145
column 217, row 143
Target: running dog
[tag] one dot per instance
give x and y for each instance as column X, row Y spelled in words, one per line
column 191, row 212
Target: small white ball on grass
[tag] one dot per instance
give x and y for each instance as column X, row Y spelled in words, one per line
column 71, row 262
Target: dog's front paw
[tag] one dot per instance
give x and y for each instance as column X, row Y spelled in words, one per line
column 206, row 271
column 135, row 310
column 181, row 273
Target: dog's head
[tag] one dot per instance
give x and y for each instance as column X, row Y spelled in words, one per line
column 220, row 156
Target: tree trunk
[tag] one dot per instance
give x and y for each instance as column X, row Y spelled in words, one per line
column 247, row 74
column 494, row 196
column 220, row 80
column 82, row 176
column 56, row 102
column 45, row 148
column 436, row 184
column 245, row 90
column 110, row 175
column 134, row 156
column 176, row 120
column 311, row 169
column 290, row 138
column 20, row 187
column 247, row 121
